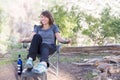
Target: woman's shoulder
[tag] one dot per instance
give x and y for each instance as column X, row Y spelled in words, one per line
column 54, row 25
column 55, row 28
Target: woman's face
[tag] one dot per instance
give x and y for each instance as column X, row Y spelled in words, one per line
column 44, row 20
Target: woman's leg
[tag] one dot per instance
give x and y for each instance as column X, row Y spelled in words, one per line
column 35, row 46
column 45, row 51
column 33, row 50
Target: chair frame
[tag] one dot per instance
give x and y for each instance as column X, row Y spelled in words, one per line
column 57, row 54
column 27, row 75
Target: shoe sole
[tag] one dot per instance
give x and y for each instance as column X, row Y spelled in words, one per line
column 37, row 72
column 28, row 66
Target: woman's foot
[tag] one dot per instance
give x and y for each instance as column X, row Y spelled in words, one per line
column 40, row 68
column 29, row 63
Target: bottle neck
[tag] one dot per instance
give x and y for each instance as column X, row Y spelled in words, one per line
column 19, row 58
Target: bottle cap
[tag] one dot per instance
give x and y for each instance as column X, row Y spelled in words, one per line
column 19, row 55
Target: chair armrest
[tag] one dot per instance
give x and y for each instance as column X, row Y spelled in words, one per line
column 25, row 44
column 59, row 46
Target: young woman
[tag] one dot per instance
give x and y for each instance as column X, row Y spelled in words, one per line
column 43, row 42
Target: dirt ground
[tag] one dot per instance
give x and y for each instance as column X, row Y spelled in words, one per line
column 67, row 71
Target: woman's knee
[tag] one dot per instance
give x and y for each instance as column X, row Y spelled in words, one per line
column 37, row 36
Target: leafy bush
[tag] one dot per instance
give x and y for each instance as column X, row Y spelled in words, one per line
column 67, row 20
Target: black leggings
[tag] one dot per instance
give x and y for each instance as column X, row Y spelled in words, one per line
column 43, row 50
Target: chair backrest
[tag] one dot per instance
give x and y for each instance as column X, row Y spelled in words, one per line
column 37, row 27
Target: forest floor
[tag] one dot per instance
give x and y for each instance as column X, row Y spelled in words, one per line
column 67, row 70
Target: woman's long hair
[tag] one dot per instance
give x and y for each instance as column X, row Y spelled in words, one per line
column 49, row 16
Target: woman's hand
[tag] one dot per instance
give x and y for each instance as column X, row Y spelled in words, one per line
column 27, row 39
column 21, row 40
column 62, row 40
column 67, row 41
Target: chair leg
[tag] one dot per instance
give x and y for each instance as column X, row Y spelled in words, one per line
column 55, row 68
column 24, row 78
column 57, row 63
column 44, row 77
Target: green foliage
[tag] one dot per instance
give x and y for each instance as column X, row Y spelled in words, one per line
column 90, row 76
column 93, row 31
column 110, row 24
column 105, row 27
column 67, row 20
column 4, row 31
column 14, row 56
column 16, row 52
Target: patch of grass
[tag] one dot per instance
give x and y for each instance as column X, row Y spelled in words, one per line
column 3, row 62
column 63, row 58
column 79, row 57
column 69, row 59
column 89, row 76
column 15, row 53
column 14, row 56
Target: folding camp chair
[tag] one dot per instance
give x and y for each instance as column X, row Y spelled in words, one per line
column 54, row 66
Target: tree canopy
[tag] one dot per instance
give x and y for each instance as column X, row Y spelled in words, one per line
column 106, row 26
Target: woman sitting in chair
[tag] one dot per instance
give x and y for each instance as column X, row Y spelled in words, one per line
column 43, row 42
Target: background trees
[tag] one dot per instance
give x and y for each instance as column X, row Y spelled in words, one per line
column 103, row 29
column 4, row 31
column 76, row 19
column 68, row 21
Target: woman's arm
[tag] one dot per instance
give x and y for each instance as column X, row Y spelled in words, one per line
column 60, row 39
column 28, row 39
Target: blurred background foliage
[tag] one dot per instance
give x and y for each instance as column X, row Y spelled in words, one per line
column 86, row 23
column 68, row 21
